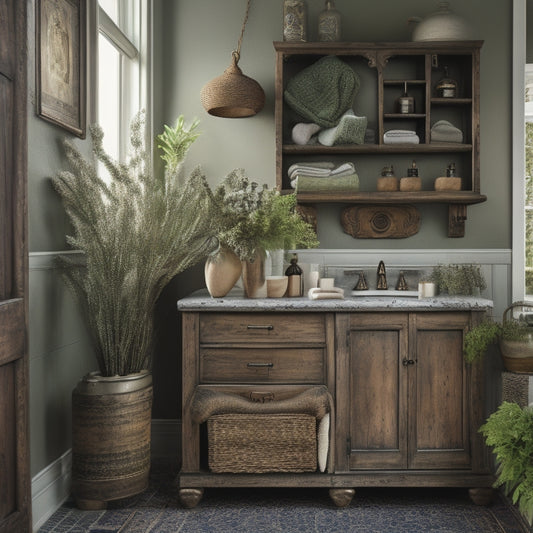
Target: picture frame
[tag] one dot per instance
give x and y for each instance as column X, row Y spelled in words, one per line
column 61, row 63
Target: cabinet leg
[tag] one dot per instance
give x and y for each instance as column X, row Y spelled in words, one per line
column 481, row 495
column 190, row 498
column 341, row 497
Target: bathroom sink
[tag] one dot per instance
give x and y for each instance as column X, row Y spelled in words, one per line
column 385, row 294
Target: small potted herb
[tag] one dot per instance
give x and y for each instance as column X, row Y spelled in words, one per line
column 514, row 336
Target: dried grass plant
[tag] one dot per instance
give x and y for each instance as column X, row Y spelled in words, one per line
column 136, row 233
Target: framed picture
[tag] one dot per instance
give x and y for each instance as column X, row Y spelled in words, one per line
column 61, row 63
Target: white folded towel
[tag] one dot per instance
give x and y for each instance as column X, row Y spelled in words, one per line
column 336, row 293
column 400, row 137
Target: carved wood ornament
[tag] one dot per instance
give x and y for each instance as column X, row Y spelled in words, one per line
column 381, row 222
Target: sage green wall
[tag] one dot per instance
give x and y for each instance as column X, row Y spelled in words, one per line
column 194, row 45
column 59, row 347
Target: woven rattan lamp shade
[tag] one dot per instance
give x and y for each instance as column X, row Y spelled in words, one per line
column 232, row 95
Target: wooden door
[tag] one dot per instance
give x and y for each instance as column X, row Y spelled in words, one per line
column 15, row 515
column 378, row 347
column 439, row 435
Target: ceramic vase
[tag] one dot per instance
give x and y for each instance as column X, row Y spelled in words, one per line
column 253, row 276
column 222, row 270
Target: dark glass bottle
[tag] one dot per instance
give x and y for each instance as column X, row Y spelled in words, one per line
column 294, row 272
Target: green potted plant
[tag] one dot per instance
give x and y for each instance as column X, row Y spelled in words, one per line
column 514, row 336
column 454, row 279
column 509, row 431
column 250, row 220
column 136, row 231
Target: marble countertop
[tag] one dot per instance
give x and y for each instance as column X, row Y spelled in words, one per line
column 235, row 301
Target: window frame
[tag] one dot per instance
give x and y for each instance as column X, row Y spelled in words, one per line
column 518, row 153
column 99, row 21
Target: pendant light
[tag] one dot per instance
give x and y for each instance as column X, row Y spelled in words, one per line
column 233, row 95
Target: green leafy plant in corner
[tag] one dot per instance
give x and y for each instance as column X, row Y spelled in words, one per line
column 136, row 232
column 509, row 431
column 251, row 218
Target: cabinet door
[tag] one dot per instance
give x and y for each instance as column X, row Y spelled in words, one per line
column 377, row 346
column 439, row 435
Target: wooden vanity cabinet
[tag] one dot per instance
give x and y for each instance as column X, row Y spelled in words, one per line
column 407, row 407
column 412, row 402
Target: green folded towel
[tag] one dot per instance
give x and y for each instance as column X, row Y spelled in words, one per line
column 324, row 91
column 337, row 184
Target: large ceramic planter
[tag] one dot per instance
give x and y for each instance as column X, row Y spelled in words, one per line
column 222, row 271
column 111, row 421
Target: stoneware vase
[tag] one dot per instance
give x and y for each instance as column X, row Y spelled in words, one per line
column 111, row 422
column 222, row 270
column 253, row 276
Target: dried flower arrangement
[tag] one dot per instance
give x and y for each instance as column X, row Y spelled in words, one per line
column 136, row 233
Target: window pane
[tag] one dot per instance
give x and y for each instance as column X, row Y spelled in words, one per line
column 109, row 95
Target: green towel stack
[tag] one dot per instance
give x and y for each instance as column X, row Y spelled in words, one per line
column 348, row 184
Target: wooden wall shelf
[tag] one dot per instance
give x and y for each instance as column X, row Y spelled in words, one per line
column 385, row 69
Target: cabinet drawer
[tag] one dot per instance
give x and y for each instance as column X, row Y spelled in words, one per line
column 262, row 327
column 262, row 365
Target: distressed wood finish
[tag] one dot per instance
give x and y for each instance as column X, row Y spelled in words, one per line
column 406, row 407
column 422, row 64
column 262, row 328
column 262, row 365
column 380, row 222
column 15, row 497
column 378, row 347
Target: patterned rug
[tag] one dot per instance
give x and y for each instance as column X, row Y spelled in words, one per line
column 289, row 511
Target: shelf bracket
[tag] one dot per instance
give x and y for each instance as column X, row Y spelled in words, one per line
column 456, row 220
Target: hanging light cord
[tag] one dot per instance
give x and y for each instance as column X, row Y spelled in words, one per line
column 237, row 53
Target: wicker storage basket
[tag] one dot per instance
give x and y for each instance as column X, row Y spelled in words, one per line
column 257, row 443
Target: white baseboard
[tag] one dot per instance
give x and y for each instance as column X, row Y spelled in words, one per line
column 50, row 488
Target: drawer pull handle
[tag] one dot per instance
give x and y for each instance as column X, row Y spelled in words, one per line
column 260, row 365
column 259, row 326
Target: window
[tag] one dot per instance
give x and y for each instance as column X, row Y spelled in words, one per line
column 123, row 71
column 522, row 214
column 528, row 182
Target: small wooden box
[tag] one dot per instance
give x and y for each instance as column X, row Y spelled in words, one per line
column 387, row 184
column 411, row 183
column 258, row 443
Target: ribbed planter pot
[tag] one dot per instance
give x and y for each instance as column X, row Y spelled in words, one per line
column 111, row 422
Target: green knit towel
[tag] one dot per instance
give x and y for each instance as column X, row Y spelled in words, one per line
column 350, row 130
column 324, row 91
